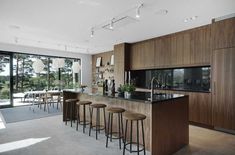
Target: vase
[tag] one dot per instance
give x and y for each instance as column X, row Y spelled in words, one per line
column 127, row 94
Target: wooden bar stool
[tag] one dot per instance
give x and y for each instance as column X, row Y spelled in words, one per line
column 70, row 105
column 134, row 117
column 84, row 122
column 109, row 132
column 97, row 126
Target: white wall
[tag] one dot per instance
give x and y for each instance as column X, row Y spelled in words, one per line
column 86, row 61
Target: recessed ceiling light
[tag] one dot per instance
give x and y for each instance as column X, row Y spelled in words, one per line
column 193, row 18
column 161, row 12
column 186, row 20
column 190, row 19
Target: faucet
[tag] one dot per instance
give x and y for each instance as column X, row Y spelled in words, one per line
column 152, row 87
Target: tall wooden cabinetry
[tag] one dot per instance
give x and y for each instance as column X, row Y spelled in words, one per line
column 142, row 55
column 188, row 48
column 224, row 88
column 121, row 60
column 224, row 74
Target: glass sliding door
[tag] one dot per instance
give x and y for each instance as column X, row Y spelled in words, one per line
column 5, row 80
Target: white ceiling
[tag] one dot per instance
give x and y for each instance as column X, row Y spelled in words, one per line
column 66, row 24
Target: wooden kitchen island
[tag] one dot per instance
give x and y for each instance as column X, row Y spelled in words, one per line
column 166, row 126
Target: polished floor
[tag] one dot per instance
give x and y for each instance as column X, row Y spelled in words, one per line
column 49, row 136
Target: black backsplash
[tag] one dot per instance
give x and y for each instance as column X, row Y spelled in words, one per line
column 189, row 79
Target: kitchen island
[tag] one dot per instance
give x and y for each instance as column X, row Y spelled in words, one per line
column 166, row 126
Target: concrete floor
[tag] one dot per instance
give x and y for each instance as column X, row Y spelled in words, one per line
column 65, row 140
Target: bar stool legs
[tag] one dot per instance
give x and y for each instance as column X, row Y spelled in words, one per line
column 84, row 122
column 109, row 132
column 134, row 117
column 70, row 107
column 97, row 125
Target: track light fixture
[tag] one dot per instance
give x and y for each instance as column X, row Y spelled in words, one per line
column 92, row 32
column 111, row 24
column 137, row 15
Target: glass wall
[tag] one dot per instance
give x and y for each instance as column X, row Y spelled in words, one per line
column 25, row 79
column 4, row 80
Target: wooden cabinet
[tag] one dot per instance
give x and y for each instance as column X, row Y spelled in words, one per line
column 200, row 45
column 224, row 88
column 180, row 49
column 200, row 108
column 142, row 55
column 224, row 33
column 162, row 52
column 188, row 48
column 121, row 61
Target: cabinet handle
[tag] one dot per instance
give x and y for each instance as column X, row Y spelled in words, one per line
column 214, row 87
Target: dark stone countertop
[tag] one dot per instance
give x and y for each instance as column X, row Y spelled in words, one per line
column 139, row 96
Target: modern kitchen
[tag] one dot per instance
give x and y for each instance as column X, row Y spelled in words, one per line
column 165, row 93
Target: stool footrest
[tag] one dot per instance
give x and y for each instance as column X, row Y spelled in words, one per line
column 114, row 134
column 125, row 146
column 86, row 123
column 100, row 127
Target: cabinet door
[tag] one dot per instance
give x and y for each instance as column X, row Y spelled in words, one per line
column 136, row 57
column 166, row 51
column 200, row 108
column 147, row 48
column 224, row 33
column 224, row 88
column 142, row 55
column 157, row 50
column 119, row 61
column 200, row 45
column 180, row 49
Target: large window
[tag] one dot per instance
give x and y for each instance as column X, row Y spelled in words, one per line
column 17, row 76
column 25, row 79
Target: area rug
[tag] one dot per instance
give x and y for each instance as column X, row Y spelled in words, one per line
column 24, row 113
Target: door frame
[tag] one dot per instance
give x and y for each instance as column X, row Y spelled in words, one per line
column 10, row 54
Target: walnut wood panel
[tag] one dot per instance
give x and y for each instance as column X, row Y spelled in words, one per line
column 136, row 57
column 180, row 49
column 170, row 129
column 200, row 45
column 121, row 59
column 165, row 51
column 187, row 48
column 224, row 88
column 224, row 33
column 200, row 108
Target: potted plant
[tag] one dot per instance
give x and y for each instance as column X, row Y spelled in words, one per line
column 121, row 90
column 128, row 89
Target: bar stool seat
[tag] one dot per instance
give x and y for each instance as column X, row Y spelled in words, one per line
column 84, row 102
column 84, row 122
column 98, row 105
column 134, row 117
column 115, row 110
column 70, row 104
column 97, row 126
column 119, row 133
